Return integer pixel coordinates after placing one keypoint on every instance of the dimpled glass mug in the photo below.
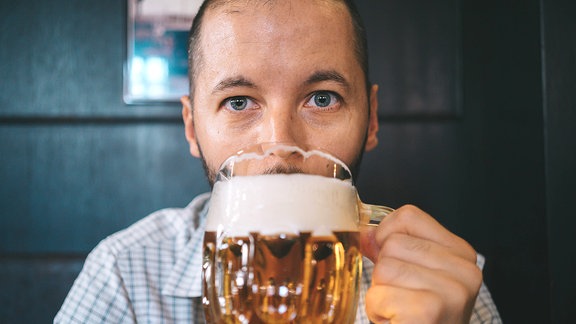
(282, 238)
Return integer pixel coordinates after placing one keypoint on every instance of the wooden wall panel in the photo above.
(560, 108)
(481, 171)
(415, 56)
(67, 186)
(32, 289)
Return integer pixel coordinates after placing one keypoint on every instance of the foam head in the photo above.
(283, 203)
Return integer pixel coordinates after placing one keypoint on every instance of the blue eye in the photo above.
(237, 103)
(323, 99)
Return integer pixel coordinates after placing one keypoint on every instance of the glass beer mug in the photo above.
(282, 238)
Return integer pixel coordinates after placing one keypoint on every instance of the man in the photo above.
(287, 71)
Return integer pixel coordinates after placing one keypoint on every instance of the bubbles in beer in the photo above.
(265, 266)
(282, 279)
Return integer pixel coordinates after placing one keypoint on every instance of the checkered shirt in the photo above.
(151, 273)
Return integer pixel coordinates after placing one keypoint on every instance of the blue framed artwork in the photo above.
(156, 67)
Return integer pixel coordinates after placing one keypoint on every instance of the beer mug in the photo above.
(282, 238)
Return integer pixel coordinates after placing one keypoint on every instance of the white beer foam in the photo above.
(283, 203)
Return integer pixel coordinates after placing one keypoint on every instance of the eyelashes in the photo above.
(239, 103)
(319, 100)
(324, 100)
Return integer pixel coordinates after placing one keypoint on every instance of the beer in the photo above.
(282, 249)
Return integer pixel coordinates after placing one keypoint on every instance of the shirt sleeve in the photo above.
(99, 294)
(485, 310)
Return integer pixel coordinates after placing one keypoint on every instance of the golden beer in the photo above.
(282, 249)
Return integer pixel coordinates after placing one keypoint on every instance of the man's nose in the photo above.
(281, 124)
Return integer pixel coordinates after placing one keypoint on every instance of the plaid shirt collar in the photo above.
(185, 279)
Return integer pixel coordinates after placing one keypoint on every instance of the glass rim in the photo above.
(263, 150)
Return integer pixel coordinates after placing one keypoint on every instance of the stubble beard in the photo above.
(210, 174)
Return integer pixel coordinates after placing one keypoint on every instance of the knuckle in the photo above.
(469, 251)
(373, 305)
(407, 214)
(391, 245)
(405, 211)
(409, 210)
(398, 244)
(458, 297)
(473, 275)
(390, 271)
(371, 300)
(459, 293)
(477, 277)
(431, 309)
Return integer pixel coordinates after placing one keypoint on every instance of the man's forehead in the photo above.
(238, 28)
(288, 32)
(294, 13)
(248, 6)
(215, 4)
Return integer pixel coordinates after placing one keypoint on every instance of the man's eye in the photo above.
(238, 103)
(323, 99)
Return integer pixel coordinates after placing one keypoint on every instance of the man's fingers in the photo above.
(454, 285)
(427, 254)
(414, 222)
(423, 273)
(388, 304)
(368, 244)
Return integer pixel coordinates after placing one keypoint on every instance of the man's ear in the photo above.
(188, 118)
(372, 134)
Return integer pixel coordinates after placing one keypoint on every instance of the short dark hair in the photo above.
(195, 59)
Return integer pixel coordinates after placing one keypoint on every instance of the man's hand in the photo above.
(422, 272)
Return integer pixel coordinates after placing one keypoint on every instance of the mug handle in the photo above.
(372, 215)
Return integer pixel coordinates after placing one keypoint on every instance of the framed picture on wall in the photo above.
(156, 68)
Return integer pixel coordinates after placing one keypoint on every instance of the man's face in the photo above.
(279, 72)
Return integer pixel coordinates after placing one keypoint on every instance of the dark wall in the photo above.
(76, 163)
(478, 168)
(559, 67)
(477, 127)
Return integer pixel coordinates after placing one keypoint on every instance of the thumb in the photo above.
(368, 245)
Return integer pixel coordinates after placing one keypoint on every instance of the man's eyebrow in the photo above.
(233, 82)
(327, 75)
